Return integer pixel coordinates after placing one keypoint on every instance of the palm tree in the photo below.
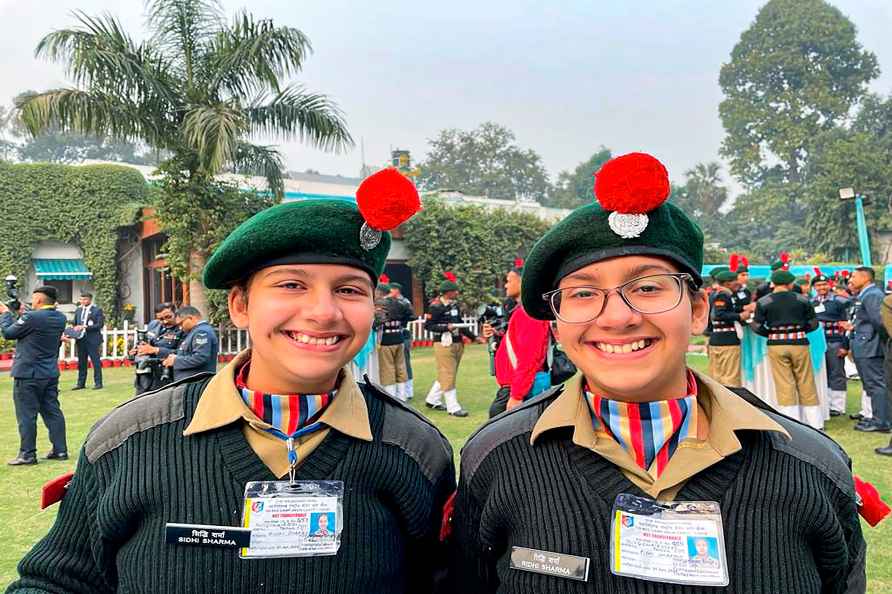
(197, 90)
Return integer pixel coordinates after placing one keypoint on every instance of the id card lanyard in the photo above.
(289, 444)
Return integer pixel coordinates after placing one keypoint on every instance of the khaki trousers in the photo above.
(724, 365)
(794, 377)
(447, 359)
(392, 364)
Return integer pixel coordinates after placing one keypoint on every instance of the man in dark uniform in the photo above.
(198, 350)
(743, 296)
(88, 322)
(391, 353)
(832, 313)
(785, 318)
(724, 344)
(868, 340)
(446, 324)
(163, 338)
(35, 372)
(396, 291)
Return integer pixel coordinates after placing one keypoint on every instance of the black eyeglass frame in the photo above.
(680, 277)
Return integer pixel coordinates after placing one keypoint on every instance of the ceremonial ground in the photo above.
(22, 522)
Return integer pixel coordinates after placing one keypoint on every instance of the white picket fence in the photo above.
(232, 340)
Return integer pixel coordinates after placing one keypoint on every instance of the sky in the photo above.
(566, 77)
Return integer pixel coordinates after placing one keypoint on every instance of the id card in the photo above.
(446, 339)
(303, 519)
(673, 542)
(820, 308)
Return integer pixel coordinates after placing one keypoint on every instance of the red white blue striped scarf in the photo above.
(648, 431)
(289, 414)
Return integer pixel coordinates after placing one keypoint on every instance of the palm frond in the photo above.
(265, 161)
(100, 55)
(183, 27)
(253, 55)
(213, 131)
(90, 113)
(295, 113)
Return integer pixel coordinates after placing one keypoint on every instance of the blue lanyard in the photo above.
(289, 443)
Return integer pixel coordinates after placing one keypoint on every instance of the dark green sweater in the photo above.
(137, 472)
(789, 515)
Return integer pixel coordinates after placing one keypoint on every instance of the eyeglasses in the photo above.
(653, 294)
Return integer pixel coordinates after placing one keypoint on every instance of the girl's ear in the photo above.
(699, 312)
(238, 306)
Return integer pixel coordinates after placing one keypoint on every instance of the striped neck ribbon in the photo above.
(291, 416)
(649, 431)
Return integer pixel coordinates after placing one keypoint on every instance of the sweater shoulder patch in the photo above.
(502, 428)
(139, 414)
(408, 430)
(807, 444)
(816, 449)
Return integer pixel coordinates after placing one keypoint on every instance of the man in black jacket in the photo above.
(88, 322)
(448, 327)
(198, 350)
(36, 374)
(391, 354)
(785, 318)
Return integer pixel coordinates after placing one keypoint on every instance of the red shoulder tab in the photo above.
(446, 523)
(55, 490)
(873, 509)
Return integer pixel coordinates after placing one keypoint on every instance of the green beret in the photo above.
(782, 277)
(448, 285)
(395, 286)
(715, 272)
(585, 237)
(300, 232)
(726, 276)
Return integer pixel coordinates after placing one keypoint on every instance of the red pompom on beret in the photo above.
(383, 279)
(387, 199)
(450, 276)
(635, 183)
(734, 262)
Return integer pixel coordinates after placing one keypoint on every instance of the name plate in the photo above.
(548, 563)
(207, 536)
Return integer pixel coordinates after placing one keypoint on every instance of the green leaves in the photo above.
(295, 113)
(478, 245)
(484, 162)
(797, 70)
(85, 205)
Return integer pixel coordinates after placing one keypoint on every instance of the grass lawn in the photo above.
(22, 522)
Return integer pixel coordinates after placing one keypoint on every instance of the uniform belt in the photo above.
(714, 329)
(786, 335)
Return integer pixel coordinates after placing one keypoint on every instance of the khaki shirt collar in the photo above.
(221, 404)
(721, 413)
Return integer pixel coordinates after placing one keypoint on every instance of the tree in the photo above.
(197, 90)
(490, 241)
(797, 70)
(576, 188)
(483, 162)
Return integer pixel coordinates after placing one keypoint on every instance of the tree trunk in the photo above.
(197, 297)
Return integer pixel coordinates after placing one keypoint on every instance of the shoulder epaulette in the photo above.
(409, 430)
(502, 428)
(807, 444)
(138, 414)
